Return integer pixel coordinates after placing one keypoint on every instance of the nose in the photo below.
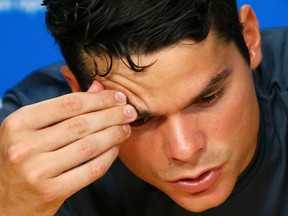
(183, 140)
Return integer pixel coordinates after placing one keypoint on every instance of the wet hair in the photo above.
(87, 30)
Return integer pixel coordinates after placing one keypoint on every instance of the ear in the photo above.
(251, 34)
(71, 79)
(74, 85)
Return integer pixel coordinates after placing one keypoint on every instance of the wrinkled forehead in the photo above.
(174, 72)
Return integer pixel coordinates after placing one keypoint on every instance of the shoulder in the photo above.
(43, 84)
(271, 83)
(275, 50)
(272, 74)
(40, 85)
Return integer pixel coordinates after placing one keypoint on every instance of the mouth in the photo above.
(198, 183)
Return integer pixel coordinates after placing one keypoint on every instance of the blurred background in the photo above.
(25, 44)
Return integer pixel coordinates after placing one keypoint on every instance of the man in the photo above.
(166, 86)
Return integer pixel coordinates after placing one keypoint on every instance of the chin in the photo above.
(201, 204)
(203, 201)
(201, 207)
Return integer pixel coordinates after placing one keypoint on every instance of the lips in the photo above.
(202, 182)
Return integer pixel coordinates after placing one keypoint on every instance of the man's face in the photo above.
(198, 120)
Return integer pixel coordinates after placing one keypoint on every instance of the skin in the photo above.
(181, 140)
(187, 132)
(184, 138)
(46, 145)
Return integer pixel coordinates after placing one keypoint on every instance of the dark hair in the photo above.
(90, 29)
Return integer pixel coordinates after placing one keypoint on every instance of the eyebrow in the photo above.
(216, 81)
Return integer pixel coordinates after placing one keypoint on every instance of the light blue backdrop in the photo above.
(25, 44)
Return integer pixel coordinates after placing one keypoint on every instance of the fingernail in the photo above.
(129, 112)
(120, 97)
(126, 128)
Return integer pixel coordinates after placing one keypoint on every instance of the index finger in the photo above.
(49, 112)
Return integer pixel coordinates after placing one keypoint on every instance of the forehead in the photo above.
(174, 71)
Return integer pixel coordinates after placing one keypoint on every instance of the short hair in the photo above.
(121, 28)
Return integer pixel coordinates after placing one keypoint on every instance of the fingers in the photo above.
(52, 111)
(71, 130)
(85, 149)
(72, 180)
(54, 148)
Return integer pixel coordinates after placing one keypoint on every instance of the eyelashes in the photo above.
(210, 99)
(139, 122)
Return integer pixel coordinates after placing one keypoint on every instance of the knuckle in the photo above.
(87, 148)
(71, 104)
(32, 178)
(11, 124)
(16, 153)
(12, 155)
(35, 179)
(48, 194)
(96, 172)
(78, 126)
(119, 133)
(105, 99)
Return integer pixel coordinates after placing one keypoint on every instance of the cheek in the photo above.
(137, 153)
(236, 126)
(231, 119)
(238, 115)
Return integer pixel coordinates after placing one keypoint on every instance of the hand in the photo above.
(50, 150)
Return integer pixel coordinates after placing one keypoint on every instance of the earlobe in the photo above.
(251, 34)
(71, 79)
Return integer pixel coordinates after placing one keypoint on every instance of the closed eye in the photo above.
(139, 122)
(210, 99)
